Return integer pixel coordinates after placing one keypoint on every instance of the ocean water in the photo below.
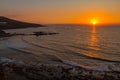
(91, 47)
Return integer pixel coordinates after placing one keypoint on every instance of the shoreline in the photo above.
(11, 69)
(17, 69)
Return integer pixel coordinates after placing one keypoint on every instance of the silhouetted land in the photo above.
(6, 23)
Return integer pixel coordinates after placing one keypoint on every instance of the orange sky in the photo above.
(62, 11)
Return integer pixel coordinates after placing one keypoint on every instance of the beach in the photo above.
(59, 39)
(62, 56)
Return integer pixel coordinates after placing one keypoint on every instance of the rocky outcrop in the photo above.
(44, 33)
(4, 34)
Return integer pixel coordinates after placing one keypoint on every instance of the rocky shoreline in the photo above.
(4, 34)
(11, 69)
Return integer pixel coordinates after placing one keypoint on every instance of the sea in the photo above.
(90, 47)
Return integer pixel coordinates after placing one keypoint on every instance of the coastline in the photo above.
(16, 69)
(11, 69)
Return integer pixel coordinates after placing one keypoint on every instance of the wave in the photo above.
(68, 50)
(54, 51)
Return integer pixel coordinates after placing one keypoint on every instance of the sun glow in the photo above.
(94, 21)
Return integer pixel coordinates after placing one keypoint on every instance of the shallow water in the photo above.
(90, 47)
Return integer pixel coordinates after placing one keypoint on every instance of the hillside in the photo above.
(7, 23)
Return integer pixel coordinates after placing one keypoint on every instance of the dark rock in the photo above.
(43, 33)
(15, 70)
(4, 34)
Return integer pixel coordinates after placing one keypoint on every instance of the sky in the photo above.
(62, 11)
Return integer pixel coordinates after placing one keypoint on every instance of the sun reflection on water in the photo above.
(93, 44)
(93, 39)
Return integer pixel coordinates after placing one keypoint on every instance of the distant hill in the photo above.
(7, 23)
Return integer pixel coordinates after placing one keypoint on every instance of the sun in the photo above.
(94, 21)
